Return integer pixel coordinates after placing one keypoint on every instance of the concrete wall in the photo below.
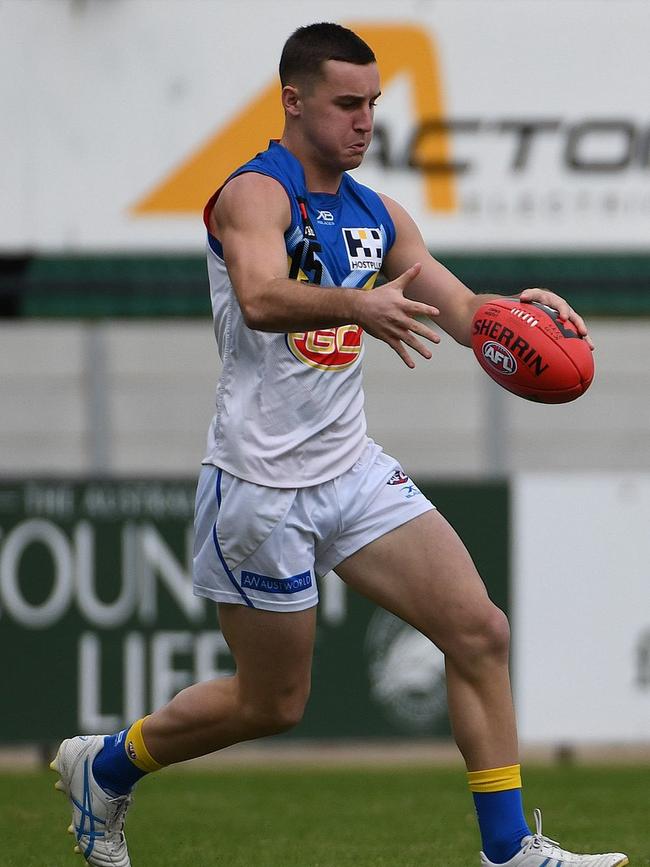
(136, 398)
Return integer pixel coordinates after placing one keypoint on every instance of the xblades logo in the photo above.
(401, 50)
(325, 217)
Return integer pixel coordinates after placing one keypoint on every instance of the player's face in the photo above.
(337, 113)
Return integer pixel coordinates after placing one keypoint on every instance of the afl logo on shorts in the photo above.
(327, 348)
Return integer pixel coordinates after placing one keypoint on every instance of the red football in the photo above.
(528, 350)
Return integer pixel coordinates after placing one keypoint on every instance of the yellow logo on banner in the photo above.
(400, 50)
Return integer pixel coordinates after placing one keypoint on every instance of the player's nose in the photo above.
(363, 120)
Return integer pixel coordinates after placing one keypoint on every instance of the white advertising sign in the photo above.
(503, 124)
(581, 607)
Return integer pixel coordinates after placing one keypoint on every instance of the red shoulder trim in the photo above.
(210, 205)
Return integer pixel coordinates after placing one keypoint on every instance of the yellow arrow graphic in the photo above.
(400, 49)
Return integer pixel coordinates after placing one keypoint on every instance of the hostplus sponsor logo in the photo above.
(364, 248)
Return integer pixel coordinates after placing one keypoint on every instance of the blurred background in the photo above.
(518, 136)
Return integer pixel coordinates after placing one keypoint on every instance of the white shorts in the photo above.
(264, 547)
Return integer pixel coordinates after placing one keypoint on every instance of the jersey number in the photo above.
(304, 260)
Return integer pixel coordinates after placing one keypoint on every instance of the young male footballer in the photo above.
(292, 487)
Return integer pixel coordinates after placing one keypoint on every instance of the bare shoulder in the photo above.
(393, 206)
(251, 199)
(404, 222)
(408, 238)
(389, 203)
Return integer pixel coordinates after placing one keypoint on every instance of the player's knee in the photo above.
(483, 638)
(288, 714)
(497, 633)
(279, 717)
(278, 713)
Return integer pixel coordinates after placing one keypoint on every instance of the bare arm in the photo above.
(250, 218)
(436, 285)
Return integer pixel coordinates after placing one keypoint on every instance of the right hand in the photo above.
(386, 314)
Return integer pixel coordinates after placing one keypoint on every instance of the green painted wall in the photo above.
(98, 623)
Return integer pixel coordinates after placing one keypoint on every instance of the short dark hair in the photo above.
(309, 47)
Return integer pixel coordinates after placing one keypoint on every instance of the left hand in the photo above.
(565, 311)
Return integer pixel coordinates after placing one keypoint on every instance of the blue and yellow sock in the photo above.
(497, 798)
(123, 760)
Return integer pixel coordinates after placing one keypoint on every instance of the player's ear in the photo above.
(291, 101)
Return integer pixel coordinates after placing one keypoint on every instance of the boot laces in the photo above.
(115, 817)
(537, 842)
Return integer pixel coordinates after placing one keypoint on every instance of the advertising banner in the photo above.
(98, 624)
(502, 125)
(581, 607)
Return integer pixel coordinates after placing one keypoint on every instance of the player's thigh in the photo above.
(422, 572)
(272, 650)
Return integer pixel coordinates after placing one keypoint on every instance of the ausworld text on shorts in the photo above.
(264, 547)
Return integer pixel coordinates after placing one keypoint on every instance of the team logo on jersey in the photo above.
(364, 248)
(327, 348)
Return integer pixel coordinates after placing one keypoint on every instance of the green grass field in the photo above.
(326, 818)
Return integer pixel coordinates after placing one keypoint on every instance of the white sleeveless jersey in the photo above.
(289, 407)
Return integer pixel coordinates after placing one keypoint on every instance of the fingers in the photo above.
(424, 331)
(418, 346)
(543, 296)
(414, 308)
(403, 354)
(404, 279)
(565, 311)
(408, 337)
(394, 320)
(417, 308)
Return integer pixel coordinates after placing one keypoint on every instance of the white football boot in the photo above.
(97, 817)
(539, 851)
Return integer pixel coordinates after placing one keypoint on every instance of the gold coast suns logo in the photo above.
(327, 348)
(402, 50)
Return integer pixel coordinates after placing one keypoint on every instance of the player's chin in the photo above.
(353, 160)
